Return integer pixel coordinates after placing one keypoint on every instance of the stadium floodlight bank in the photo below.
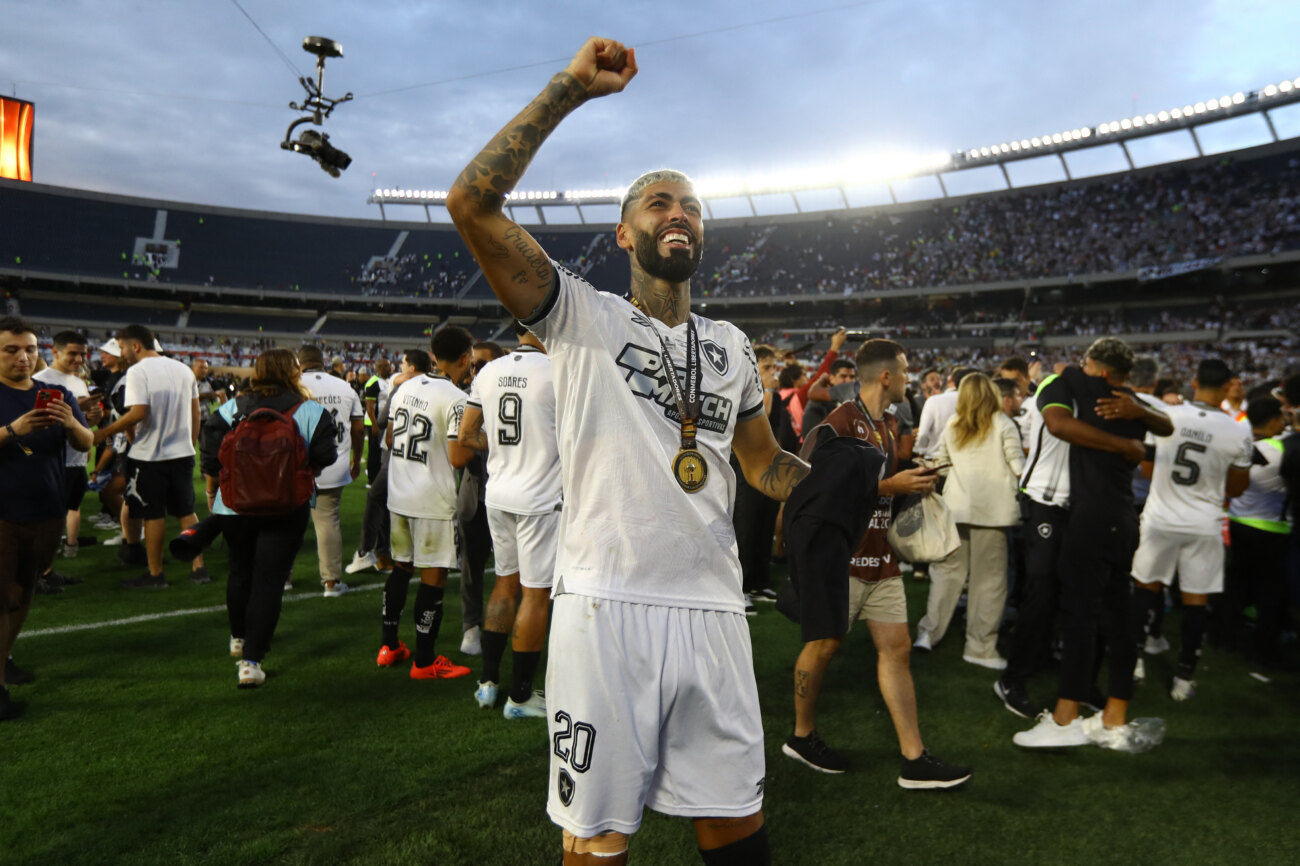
(888, 168)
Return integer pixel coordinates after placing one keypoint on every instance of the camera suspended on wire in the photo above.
(311, 142)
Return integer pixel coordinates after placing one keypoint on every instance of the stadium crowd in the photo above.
(1113, 226)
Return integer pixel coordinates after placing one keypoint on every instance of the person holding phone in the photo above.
(36, 424)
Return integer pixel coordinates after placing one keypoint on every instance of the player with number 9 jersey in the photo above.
(424, 414)
(517, 397)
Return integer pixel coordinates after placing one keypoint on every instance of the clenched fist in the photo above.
(603, 66)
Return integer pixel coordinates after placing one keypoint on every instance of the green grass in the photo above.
(136, 747)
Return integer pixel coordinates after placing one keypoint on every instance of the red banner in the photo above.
(16, 120)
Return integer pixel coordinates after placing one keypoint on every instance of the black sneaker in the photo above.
(16, 676)
(200, 575)
(45, 587)
(1016, 699)
(146, 580)
(768, 595)
(8, 709)
(812, 751)
(132, 554)
(57, 579)
(928, 771)
(750, 610)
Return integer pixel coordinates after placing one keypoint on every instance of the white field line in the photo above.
(149, 617)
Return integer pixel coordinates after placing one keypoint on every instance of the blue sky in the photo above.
(185, 100)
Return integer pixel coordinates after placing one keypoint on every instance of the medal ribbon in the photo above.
(688, 399)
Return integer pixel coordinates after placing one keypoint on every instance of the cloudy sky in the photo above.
(186, 100)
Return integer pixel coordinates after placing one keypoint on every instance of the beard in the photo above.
(676, 267)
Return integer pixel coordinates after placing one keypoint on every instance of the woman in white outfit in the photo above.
(983, 447)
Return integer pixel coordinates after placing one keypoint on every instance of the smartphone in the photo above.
(937, 468)
(46, 396)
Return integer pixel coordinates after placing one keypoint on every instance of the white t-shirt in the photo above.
(343, 404)
(517, 397)
(629, 531)
(77, 386)
(934, 418)
(425, 413)
(1046, 478)
(1191, 469)
(168, 388)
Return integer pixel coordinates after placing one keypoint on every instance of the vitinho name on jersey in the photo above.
(646, 378)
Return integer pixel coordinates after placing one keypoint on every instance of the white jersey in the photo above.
(1191, 469)
(425, 413)
(629, 531)
(1046, 478)
(77, 386)
(342, 404)
(934, 417)
(516, 395)
(168, 388)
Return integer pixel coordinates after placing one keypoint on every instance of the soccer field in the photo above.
(136, 747)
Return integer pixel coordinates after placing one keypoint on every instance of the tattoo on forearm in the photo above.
(801, 679)
(781, 476)
(498, 167)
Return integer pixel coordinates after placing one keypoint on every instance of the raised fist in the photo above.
(603, 66)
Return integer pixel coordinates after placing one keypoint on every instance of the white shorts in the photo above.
(1198, 559)
(425, 541)
(525, 543)
(650, 706)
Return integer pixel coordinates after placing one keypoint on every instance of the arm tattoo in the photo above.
(476, 440)
(781, 476)
(498, 167)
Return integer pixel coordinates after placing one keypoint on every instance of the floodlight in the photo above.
(1150, 118)
(1201, 107)
(1125, 124)
(1175, 113)
(1271, 90)
(1238, 98)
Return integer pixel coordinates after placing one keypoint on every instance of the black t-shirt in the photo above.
(1101, 482)
(31, 485)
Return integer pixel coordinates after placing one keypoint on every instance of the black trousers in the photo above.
(1256, 575)
(1096, 599)
(1039, 589)
(373, 451)
(754, 519)
(475, 547)
(262, 551)
(375, 524)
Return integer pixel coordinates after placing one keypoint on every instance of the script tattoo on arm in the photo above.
(782, 475)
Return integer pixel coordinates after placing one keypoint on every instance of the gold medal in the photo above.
(691, 469)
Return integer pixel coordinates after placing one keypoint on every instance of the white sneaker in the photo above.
(533, 708)
(471, 643)
(1182, 689)
(334, 588)
(923, 641)
(361, 561)
(1047, 734)
(237, 647)
(1140, 671)
(1108, 738)
(114, 541)
(1156, 645)
(486, 695)
(993, 663)
(288, 584)
(251, 674)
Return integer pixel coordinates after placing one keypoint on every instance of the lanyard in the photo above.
(688, 398)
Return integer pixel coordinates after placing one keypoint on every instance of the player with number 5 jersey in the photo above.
(1205, 460)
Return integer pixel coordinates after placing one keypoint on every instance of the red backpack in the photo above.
(264, 469)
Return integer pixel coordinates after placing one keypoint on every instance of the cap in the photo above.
(111, 348)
